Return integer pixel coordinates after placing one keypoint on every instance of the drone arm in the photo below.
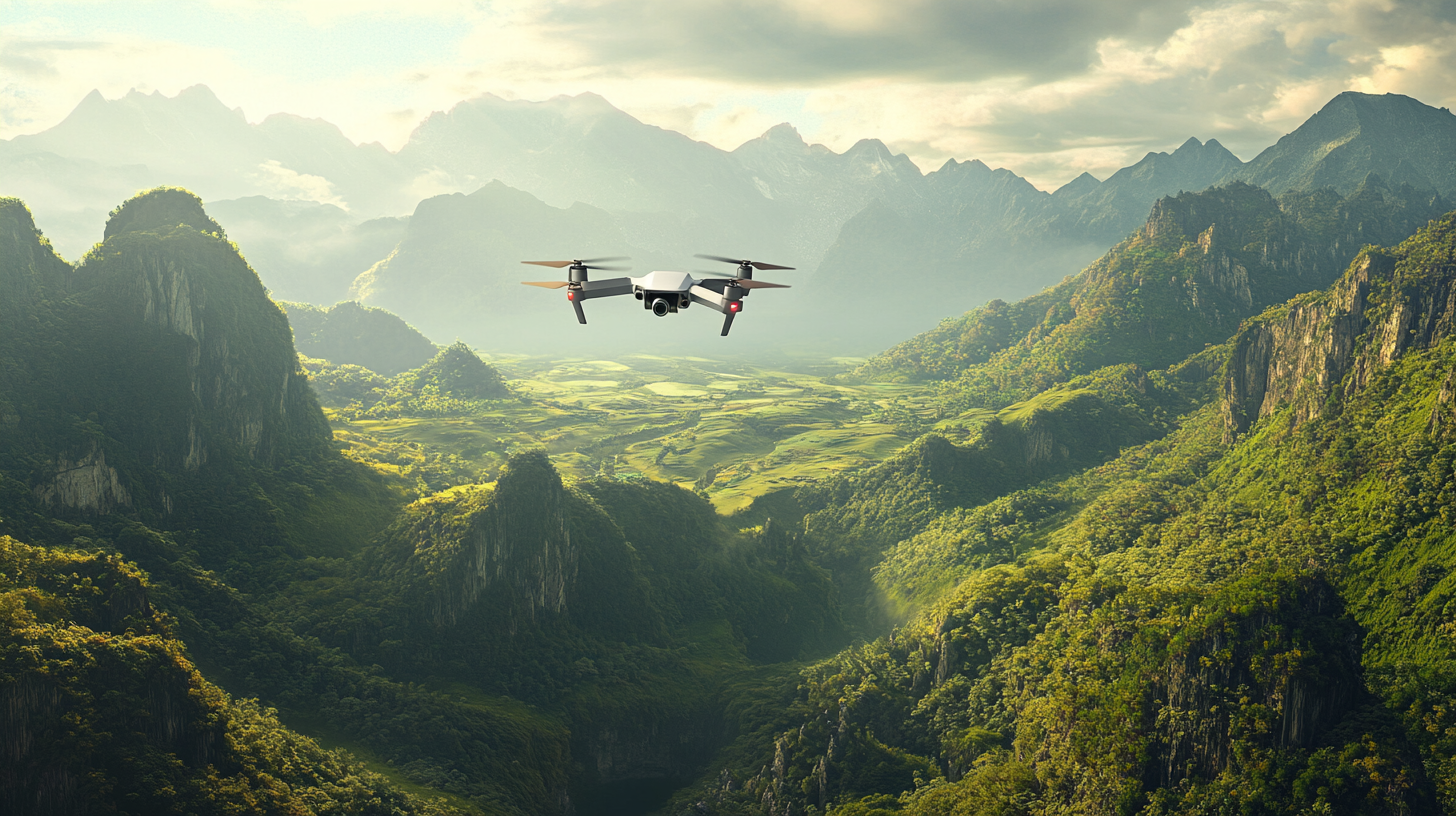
(707, 297)
(580, 315)
(605, 288)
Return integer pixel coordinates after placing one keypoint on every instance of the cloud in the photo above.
(818, 41)
(286, 183)
(1047, 88)
(37, 58)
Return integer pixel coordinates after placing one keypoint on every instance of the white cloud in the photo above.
(1048, 89)
(283, 182)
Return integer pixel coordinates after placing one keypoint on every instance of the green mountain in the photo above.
(347, 333)
(153, 402)
(457, 372)
(1202, 263)
(219, 381)
(1176, 539)
(524, 646)
(1357, 134)
(1064, 380)
(105, 713)
(1245, 614)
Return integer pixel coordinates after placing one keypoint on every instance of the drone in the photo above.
(662, 292)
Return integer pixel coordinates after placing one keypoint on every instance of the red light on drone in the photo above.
(571, 296)
(735, 307)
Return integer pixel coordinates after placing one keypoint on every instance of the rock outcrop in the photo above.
(509, 554)
(185, 312)
(1298, 354)
(89, 485)
(158, 355)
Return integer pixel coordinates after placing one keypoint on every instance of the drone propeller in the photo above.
(548, 284)
(760, 265)
(758, 284)
(583, 263)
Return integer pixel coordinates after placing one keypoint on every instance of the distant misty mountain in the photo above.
(194, 140)
(865, 224)
(1110, 209)
(773, 197)
(975, 234)
(306, 251)
(457, 272)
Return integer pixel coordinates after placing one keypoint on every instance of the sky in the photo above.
(1046, 88)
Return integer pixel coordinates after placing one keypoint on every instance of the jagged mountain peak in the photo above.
(92, 99)
(782, 139)
(952, 167)
(196, 99)
(1357, 133)
(1192, 144)
(1080, 185)
(783, 132)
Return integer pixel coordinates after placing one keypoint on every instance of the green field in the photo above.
(732, 430)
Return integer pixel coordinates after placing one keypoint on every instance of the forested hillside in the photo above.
(171, 498)
(1242, 615)
(1202, 263)
(349, 334)
(1169, 537)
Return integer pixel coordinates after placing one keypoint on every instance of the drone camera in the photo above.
(661, 307)
(684, 301)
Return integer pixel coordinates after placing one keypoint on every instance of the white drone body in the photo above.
(664, 292)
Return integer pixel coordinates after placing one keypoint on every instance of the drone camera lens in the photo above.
(660, 307)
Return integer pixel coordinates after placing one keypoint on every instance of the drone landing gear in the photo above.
(727, 323)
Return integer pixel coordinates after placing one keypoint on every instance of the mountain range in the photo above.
(306, 205)
(1177, 535)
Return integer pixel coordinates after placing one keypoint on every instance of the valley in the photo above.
(733, 431)
(1172, 535)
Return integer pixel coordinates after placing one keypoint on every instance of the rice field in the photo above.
(731, 430)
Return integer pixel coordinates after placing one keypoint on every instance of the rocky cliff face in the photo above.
(91, 684)
(1387, 303)
(512, 544)
(88, 484)
(1298, 660)
(158, 354)
(182, 293)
